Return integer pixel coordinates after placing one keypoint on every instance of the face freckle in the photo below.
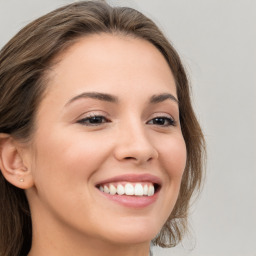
(110, 115)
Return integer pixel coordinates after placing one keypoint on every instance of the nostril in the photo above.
(129, 158)
(135, 154)
(138, 159)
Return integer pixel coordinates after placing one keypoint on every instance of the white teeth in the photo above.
(145, 190)
(106, 189)
(129, 189)
(138, 190)
(120, 189)
(112, 190)
(151, 190)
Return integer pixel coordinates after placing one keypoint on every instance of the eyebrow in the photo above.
(162, 97)
(94, 95)
(113, 99)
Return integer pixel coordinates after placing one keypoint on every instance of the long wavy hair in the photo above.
(24, 62)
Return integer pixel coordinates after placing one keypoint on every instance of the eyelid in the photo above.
(164, 115)
(90, 114)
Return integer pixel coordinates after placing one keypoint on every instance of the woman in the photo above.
(100, 148)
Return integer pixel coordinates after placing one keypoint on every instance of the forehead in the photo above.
(107, 62)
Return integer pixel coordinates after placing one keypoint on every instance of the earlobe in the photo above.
(12, 163)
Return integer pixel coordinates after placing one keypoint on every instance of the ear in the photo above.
(12, 163)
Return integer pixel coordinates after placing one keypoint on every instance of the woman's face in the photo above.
(109, 121)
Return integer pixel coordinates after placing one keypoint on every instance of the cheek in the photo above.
(62, 170)
(68, 157)
(173, 157)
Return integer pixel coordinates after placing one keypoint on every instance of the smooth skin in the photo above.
(82, 140)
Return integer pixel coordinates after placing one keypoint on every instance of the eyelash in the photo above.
(163, 119)
(96, 120)
(88, 120)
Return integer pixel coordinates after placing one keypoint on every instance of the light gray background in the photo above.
(216, 40)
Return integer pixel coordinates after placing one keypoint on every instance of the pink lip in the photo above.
(132, 201)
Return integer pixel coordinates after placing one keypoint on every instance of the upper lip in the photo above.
(133, 178)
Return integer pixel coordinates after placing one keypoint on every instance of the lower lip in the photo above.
(132, 201)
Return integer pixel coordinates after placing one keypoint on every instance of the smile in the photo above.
(128, 188)
(131, 190)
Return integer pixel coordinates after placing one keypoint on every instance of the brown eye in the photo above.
(162, 121)
(93, 120)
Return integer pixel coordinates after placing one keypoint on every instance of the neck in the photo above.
(92, 248)
(51, 240)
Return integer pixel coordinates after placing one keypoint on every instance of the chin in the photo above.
(133, 234)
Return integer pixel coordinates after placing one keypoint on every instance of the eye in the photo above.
(93, 120)
(162, 121)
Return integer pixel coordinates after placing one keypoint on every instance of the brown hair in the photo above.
(24, 62)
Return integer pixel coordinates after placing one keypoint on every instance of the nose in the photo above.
(134, 145)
